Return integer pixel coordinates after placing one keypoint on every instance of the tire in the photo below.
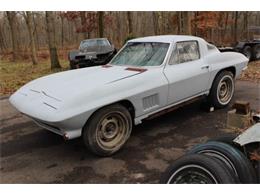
(196, 168)
(73, 65)
(222, 90)
(227, 139)
(107, 130)
(234, 159)
(247, 51)
(256, 52)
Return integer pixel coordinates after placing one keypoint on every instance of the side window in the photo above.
(185, 52)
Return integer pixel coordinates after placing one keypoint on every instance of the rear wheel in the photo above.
(197, 169)
(231, 157)
(222, 90)
(107, 130)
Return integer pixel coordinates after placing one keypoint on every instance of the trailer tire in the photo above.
(247, 51)
(232, 157)
(256, 52)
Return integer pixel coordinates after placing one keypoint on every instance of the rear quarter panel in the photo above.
(220, 61)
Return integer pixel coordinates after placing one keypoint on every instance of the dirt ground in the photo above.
(30, 154)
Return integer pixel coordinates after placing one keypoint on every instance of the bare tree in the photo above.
(11, 16)
(51, 40)
(3, 45)
(28, 16)
(235, 26)
(101, 24)
(130, 23)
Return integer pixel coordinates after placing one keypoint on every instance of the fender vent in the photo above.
(150, 102)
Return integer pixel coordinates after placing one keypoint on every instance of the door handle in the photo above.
(205, 67)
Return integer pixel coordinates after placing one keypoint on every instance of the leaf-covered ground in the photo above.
(14, 75)
(252, 73)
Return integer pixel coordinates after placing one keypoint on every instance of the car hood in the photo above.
(66, 84)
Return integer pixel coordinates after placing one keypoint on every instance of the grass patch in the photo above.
(14, 75)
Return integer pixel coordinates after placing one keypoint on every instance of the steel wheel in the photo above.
(192, 174)
(111, 130)
(197, 169)
(225, 89)
(107, 130)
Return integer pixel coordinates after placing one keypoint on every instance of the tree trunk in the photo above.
(2, 39)
(100, 24)
(155, 23)
(83, 24)
(35, 32)
(29, 21)
(235, 27)
(187, 23)
(130, 24)
(225, 27)
(245, 27)
(11, 16)
(51, 40)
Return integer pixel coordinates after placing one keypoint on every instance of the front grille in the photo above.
(79, 57)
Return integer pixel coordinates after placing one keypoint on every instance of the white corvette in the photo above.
(148, 75)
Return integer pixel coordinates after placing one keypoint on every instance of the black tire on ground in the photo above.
(232, 157)
(107, 130)
(256, 52)
(247, 51)
(73, 65)
(227, 139)
(222, 89)
(196, 168)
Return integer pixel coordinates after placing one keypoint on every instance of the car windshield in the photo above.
(94, 43)
(142, 54)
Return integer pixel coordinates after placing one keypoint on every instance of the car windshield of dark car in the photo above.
(142, 54)
(93, 43)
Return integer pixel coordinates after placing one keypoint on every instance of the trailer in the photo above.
(250, 47)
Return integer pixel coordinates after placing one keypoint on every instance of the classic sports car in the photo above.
(92, 52)
(147, 76)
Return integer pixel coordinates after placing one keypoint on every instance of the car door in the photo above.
(186, 71)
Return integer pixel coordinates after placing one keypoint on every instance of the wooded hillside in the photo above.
(29, 35)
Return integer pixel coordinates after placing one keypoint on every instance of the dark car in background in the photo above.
(92, 52)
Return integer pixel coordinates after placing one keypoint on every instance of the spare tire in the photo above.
(231, 157)
(197, 169)
(227, 139)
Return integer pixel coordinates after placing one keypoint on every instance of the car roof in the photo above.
(166, 38)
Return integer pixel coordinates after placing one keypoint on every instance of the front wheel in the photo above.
(222, 89)
(107, 130)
